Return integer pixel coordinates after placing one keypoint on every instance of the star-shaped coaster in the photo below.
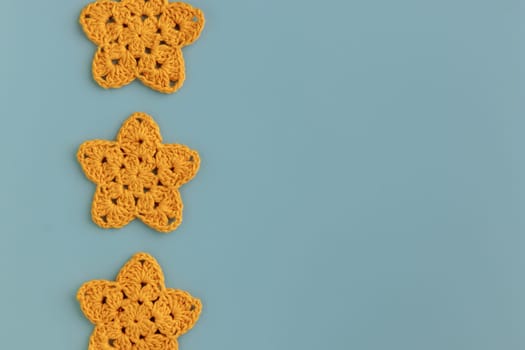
(140, 39)
(137, 311)
(138, 176)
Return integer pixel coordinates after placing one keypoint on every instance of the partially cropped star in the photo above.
(137, 312)
(140, 39)
(138, 176)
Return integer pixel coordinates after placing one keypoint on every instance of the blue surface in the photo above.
(362, 184)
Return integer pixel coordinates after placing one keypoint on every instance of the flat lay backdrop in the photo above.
(362, 180)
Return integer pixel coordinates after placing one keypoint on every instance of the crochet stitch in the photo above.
(137, 311)
(140, 39)
(138, 176)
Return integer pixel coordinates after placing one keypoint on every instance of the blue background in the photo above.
(362, 184)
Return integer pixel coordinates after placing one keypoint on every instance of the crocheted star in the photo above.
(138, 176)
(137, 311)
(140, 39)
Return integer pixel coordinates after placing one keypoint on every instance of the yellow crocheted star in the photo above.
(140, 39)
(137, 312)
(138, 176)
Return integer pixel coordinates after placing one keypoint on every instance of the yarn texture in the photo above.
(138, 176)
(137, 311)
(140, 39)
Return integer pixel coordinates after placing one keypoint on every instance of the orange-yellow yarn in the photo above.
(137, 311)
(140, 39)
(138, 176)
